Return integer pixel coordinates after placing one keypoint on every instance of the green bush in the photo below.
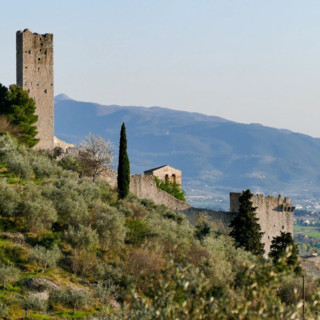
(9, 199)
(172, 188)
(138, 231)
(82, 237)
(109, 224)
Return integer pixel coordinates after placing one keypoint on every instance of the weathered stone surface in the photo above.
(39, 284)
(35, 75)
(15, 237)
(144, 187)
(62, 144)
(275, 215)
(44, 295)
(166, 173)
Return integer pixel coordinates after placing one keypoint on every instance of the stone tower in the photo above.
(35, 75)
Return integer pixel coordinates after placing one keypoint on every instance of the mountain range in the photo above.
(216, 156)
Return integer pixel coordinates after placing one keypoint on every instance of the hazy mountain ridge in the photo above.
(216, 155)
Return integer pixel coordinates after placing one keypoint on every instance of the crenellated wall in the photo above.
(275, 215)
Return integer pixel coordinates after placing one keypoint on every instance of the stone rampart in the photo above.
(145, 187)
(275, 215)
(224, 217)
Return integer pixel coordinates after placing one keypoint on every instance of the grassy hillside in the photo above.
(70, 249)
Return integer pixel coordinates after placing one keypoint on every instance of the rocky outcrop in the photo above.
(38, 284)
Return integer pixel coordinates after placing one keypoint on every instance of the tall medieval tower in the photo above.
(35, 75)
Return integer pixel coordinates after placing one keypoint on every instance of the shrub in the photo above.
(104, 292)
(9, 199)
(74, 298)
(39, 215)
(143, 262)
(8, 274)
(4, 310)
(19, 165)
(8, 145)
(172, 188)
(42, 166)
(137, 231)
(71, 207)
(109, 224)
(44, 257)
(81, 236)
(32, 302)
(83, 262)
(70, 162)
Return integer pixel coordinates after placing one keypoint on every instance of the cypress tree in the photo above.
(245, 227)
(123, 166)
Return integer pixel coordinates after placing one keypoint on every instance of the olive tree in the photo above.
(45, 257)
(110, 227)
(74, 298)
(8, 274)
(32, 302)
(9, 199)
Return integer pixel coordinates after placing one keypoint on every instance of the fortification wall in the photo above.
(35, 75)
(223, 217)
(145, 187)
(275, 215)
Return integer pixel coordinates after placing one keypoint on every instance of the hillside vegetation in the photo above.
(71, 249)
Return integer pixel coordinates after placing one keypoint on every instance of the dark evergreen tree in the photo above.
(3, 98)
(285, 252)
(123, 166)
(245, 227)
(202, 230)
(19, 109)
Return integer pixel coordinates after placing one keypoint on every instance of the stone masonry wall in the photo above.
(275, 215)
(35, 75)
(167, 172)
(223, 217)
(145, 187)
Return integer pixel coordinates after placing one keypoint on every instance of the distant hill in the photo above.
(215, 155)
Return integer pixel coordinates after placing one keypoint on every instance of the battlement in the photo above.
(35, 75)
(275, 214)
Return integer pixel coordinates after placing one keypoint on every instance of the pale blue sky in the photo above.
(244, 60)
